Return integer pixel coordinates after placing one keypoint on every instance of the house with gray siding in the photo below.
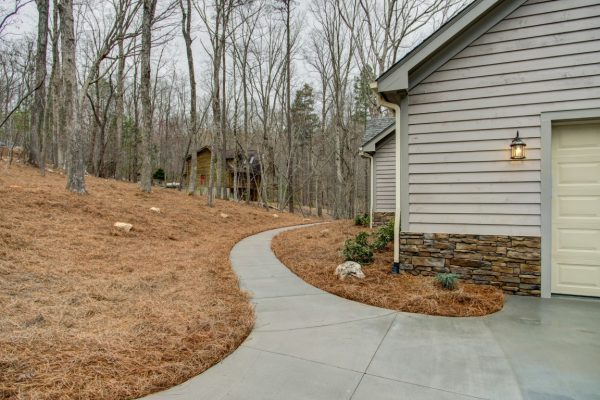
(500, 72)
(378, 146)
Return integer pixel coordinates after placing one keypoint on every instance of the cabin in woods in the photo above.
(238, 167)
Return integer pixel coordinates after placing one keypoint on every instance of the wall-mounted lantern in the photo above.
(517, 148)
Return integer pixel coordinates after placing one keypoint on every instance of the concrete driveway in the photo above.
(308, 344)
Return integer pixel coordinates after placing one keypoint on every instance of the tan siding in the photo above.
(385, 164)
(507, 82)
(542, 25)
(481, 135)
(560, 68)
(500, 229)
(526, 54)
(544, 57)
(484, 208)
(534, 99)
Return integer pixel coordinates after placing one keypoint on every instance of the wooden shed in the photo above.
(237, 166)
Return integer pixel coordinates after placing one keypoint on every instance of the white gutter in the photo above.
(371, 185)
(396, 109)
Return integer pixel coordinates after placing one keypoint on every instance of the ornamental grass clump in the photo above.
(358, 249)
(447, 281)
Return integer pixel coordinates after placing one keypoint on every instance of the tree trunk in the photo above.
(222, 176)
(216, 103)
(36, 151)
(186, 21)
(76, 160)
(211, 181)
(145, 81)
(120, 105)
(55, 92)
(288, 109)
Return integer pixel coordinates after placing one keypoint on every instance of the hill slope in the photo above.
(88, 311)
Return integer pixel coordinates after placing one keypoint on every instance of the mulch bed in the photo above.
(90, 312)
(313, 254)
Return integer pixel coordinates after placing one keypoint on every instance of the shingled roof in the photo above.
(375, 126)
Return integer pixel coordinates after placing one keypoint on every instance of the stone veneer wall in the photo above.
(511, 263)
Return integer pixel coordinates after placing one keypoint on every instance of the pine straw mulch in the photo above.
(313, 253)
(88, 312)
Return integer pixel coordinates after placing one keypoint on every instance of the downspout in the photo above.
(371, 185)
(381, 101)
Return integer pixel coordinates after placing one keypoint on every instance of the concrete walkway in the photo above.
(308, 344)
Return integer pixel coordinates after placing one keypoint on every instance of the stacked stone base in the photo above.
(511, 263)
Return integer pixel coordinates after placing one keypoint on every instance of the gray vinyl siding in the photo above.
(543, 57)
(385, 178)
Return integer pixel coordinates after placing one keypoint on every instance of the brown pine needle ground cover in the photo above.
(313, 253)
(89, 312)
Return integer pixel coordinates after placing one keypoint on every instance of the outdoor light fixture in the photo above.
(517, 148)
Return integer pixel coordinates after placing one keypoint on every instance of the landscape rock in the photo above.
(275, 216)
(223, 215)
(349, 268)
(124, 226)
(155, 209)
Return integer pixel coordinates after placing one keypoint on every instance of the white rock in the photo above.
(275, 216)
(155, 209)
(349, 268)
(124, 226)
(223, 215)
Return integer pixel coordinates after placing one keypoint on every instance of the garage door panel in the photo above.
(578, 239)
(579, 136)
(579, 206)
(582, 279)
(578, 173)
(576, 209)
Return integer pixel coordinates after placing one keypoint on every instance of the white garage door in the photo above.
(576, 209)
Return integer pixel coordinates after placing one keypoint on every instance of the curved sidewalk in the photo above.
(308, 344)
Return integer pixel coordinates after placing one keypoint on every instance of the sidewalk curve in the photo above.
(309, 344)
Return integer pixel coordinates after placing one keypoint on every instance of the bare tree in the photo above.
(75, 164)
(186, 28)
(37, 142)
(149, 8)
(9, 13)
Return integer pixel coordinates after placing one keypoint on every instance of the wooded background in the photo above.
(94, 90)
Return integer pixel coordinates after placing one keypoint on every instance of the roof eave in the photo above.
(370, 146)
(397, 77)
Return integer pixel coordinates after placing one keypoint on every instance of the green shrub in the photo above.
(358, 249)
(383, 236)
(159, 174)
(361, 220)
(447, 280)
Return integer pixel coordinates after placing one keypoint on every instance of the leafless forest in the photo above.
(93, 88)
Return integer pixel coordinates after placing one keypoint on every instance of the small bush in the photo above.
(358, 249)
(361, 220)
(159, 174)
(447, 281)
(383, 236)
